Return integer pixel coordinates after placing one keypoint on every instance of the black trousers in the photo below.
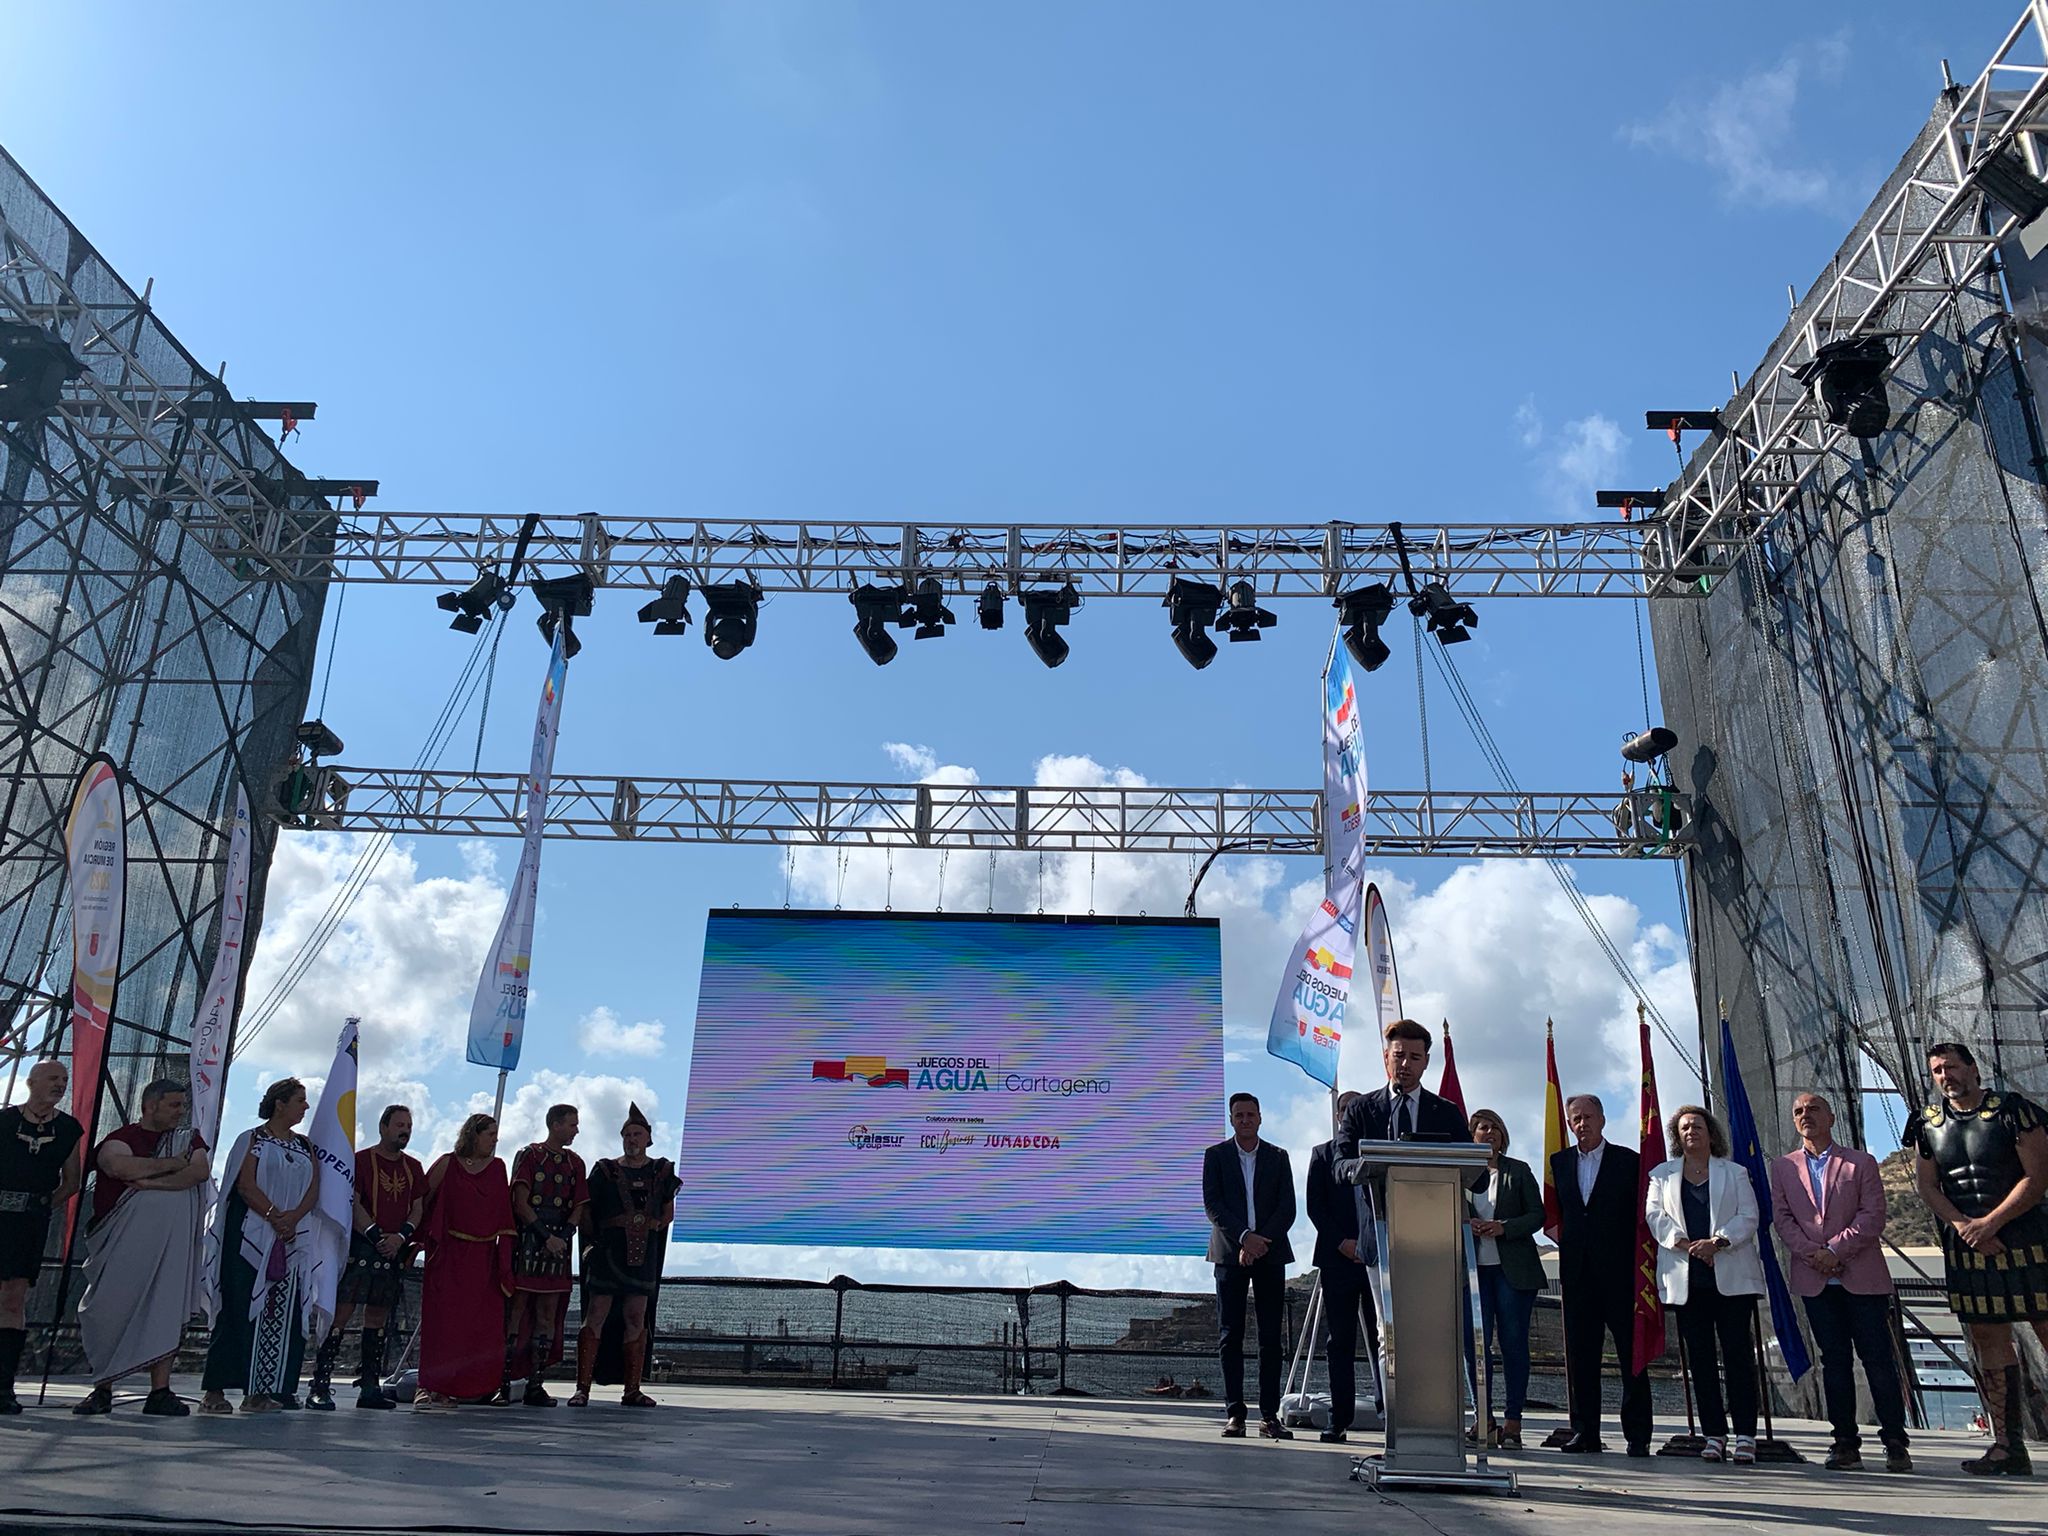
(1347, 1293)
(1715, 1325)
(1267, 1282)
(1594, 1314)
(1846, 1325)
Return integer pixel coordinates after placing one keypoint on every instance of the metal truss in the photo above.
(1931, 237)
(994, 818)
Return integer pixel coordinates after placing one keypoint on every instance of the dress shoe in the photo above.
(1639, 1448)
(1233, 1429)
(1273, 1429)
(1582, 1445)
(1332, 1437)
(375, 1397)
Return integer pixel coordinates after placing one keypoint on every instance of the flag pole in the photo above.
(498, 1105)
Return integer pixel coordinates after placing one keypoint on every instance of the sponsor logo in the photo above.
(875, 1071)
(941, 1141)
(1320, 958)
(1347, 706)
(1022, 1143)
(862, 1139)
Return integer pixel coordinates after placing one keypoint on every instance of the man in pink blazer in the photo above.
(1827, 1204)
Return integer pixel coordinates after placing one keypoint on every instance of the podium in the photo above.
(1424, 1265)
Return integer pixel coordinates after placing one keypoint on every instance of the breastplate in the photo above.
(1976, 1156)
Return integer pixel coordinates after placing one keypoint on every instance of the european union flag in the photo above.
(1743, 1141)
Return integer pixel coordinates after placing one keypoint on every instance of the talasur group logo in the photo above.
(874, 1071)
(861, 1139)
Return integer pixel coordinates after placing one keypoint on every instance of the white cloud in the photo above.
(1581, 457)
(600, 1101)
(1743, 131)
(917, 761)
(600, 1033)
(1528, 423)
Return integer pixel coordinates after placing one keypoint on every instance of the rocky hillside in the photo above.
(1908, 1221)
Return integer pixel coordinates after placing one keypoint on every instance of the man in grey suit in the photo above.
(1248, 1193)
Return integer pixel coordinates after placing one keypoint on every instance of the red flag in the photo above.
(1447, 1086)
(1553, 1134)
(1649, 1311)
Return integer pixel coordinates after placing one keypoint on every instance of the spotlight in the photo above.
(1245, 618)
(2005, 176)
(875, 609)
(1449, 620)
(1650, 817)
(1361, 613)
(989, 607)
(318, 739)
(34, 368)
(1192, 607)
(562, 600)
(1850, 374)
(928, 608)
(669, 613)
(1045, 610)
(474, 604)
(731, 610)
(1648, 746)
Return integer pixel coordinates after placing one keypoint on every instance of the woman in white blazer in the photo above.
(1702, 1214)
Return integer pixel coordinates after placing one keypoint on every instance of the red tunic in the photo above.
(143, 1142)
(387, 1189)
(468, 1235)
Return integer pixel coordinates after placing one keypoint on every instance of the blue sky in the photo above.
(1107, 264)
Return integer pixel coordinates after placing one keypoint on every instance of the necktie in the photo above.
(1405, 1125)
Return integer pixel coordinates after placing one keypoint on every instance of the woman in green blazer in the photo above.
(1506, 1215)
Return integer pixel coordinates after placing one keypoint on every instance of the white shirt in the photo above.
(1483, 1202)
(1817, 1181)
(1589, 1171)
(1249, 1162)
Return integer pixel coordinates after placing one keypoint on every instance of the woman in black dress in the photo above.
(632, 1202)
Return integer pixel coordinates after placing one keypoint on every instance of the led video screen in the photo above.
(1024, 1083)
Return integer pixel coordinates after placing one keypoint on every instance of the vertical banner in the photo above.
(1379, 960)
(1649, 1309)
(216, 1019)
(1307, 1023)
(497, 1016)
(1743, 1143)
(333, 1135)
(96, 849)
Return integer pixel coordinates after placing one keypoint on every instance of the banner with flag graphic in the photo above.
(497, 1016)
(217, 1003)
(1742, 1139)
(333, 1135)
(1553, 1134)
(96, 852)
(1448, 1086)
(1307, 1023)
(1648, 1334)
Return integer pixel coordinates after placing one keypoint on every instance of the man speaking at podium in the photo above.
(1404, 1110)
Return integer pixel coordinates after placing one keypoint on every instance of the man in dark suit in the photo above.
(1347, 1288)
(1248, 1193)
(1599, 1204)
(1404, 1110)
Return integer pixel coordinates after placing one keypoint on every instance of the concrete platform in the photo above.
(744, 1462)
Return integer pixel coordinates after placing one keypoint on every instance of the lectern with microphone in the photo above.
(1416, 1190)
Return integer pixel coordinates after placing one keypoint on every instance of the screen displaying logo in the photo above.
(875, 1071)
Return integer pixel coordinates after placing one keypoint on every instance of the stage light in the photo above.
(1191, 606)
(1045, 610)
(317, 739)
(1649, 817)
(731, 616)
(1244, 618)
(1361, 613)
(989, 607)
(875, 609)
(563, 599)
(928, 607)
(329, 800)
(1449, 620)
(474, 604)
(2005, 176)
(669, 613)
(1648, 746)
(1850, 374)
(34, 368)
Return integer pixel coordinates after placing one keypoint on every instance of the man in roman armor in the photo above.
(549, 1194)
(39, 1172)
(632, 1202)
(391, 1189)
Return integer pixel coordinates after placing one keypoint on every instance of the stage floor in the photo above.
(740, 1462)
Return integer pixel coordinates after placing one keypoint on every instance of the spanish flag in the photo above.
(1553, 1133)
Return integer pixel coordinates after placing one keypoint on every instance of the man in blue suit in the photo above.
(1248, 1193)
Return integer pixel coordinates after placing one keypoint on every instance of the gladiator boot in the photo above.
(586, 1365)
(372, 1394)
(11, 1342)
(321, 1394)
(511, 1364)
(635, 1350)
(536, 1373)
(2006, 1409)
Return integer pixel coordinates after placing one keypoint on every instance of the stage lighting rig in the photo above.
(1850, 376)
(988, 608)
(318, 740)
(731, 616)
(563, 599)
(1244, 618)
(1192, 606)
(34, 368)
(1648, 746)
(1449, 620)
(1045, 610)
(473, 605)
(2005, 177)
(1650, 818)
(1361, 613)
(928, 608)
(670, 612)
(875, 609)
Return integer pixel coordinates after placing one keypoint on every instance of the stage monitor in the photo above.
(1043, 1084)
